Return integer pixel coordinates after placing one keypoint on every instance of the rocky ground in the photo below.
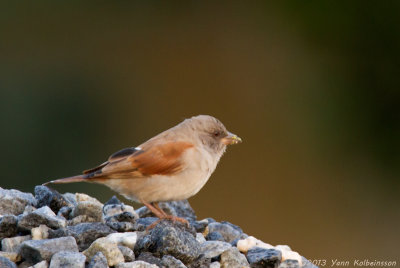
(75, 230)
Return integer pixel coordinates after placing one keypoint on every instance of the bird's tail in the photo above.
(77, 178)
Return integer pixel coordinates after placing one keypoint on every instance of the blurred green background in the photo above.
(311, 87)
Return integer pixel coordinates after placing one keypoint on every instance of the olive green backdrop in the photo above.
(311, 87)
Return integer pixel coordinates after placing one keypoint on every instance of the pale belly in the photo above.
(159, 187)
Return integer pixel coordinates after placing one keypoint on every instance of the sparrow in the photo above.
(174, 165)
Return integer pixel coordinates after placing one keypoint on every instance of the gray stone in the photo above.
(71, 198)
(142, 223)
(50, 197)
(38, 250)
(68, 259)
(114, 207)
(6, 263)
(89, 209)
(200, 226)
(128, 254)
(261, 257)
(215, 236)
(168, 238)
(228, 231)
(98, 261)
(136, 264)
(177, 208)
(122, 222)
(84, 233)
(289, 264)
(8, 226)
(212, 249)
(65, 212)
(232, 258)
(200, 262)
(149, 258)
(43, 215)
(170, 262)
(13, 202)
(13, 244)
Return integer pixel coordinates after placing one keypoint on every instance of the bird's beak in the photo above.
(231, 139)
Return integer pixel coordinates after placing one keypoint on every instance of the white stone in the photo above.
(291, 255)
(283, 247)
(215, 265)
(110, 250)
(42, 264)
(245, 244)
(127, 239)
(41, 232)
(84, 197)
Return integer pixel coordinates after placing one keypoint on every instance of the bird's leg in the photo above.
(159, 213)
(155, 208)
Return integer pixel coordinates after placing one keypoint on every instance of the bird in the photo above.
(174, 165)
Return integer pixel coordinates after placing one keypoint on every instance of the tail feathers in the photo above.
(78, 178)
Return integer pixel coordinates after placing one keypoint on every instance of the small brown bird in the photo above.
(174, 165)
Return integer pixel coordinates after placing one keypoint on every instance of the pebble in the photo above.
(261, 257)
(171, 262)
(50, 197)
(200, 238)
(212, 249)
(110, 251)
(80, 197)
(127, 239)
(41, 232)
(65, 212)
(13, 244)
(128, 254)
(13, 202)
(12, 256)
(122, 222)
(71, 198)
(149, 258)
(232, 258)
(84, 233)
(228, 231)
(43, 215)
(215, 236)
(89, 209)
(250, 242)
(38, 250)
(98, 261)
(6, 263)
(42, 264)
(142, 223)
(82, 219)
(215, 264)
(68, 259)
(136, 264)
(200, 226)
(170, 239)
(289, 264)
(8, 226)
(177, 208)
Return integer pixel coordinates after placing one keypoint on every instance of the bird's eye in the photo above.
(216, 133)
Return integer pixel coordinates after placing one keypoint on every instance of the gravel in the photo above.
(76, 230)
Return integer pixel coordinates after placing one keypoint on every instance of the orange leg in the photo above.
(155, 208)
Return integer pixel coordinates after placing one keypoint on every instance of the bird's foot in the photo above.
(170, 218)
